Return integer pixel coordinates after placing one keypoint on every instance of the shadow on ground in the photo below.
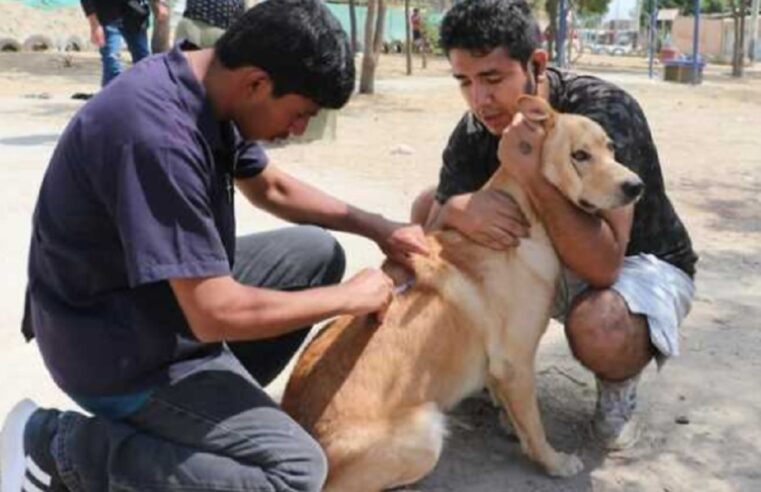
(30, 140)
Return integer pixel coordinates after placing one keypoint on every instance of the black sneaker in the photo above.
(28, 465)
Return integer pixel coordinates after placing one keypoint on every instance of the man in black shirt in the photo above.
(628, 274)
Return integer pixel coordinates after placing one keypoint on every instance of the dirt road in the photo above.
(386, 150)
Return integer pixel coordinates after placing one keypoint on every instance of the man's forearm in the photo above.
(586, 243)
(221, 309)
(305, 204)
(259, 313)
(298, 202)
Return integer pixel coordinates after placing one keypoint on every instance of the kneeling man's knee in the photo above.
(421, 206)
(604, 336)
(325, 253)
(594, 313)
(314, 466)
(305, 469)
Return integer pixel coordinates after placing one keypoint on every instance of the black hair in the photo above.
(300, 45)
(481, 26)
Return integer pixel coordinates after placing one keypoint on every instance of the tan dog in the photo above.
(374, 396)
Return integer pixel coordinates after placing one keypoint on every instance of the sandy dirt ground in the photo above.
(386, 149)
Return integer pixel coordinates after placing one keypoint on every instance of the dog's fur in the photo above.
(374, 396)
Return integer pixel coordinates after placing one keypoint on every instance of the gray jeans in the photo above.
(215, 430)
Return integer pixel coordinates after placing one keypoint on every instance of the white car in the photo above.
(619, 49)
(608, 49)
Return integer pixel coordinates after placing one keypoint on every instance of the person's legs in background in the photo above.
(109, 53)
(137, 43)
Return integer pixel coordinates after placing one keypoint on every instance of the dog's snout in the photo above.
(633, 189)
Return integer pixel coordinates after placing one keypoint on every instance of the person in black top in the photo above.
(628, 277)
(112, 20)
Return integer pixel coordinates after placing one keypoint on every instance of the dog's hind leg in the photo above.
(379, 455)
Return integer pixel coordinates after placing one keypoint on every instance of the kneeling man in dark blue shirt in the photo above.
(148, 311)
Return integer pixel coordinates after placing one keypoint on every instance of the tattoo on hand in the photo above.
(525, 147)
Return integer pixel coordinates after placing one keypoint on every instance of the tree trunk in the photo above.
(552, 14)
(367, 78)
(741, 54)
(569, 58)
(407, 36)
(738, 23)
(353, 25)
(380, 27)
(374, 25)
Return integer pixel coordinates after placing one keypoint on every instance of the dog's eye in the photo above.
(611, 147)
(581, 155)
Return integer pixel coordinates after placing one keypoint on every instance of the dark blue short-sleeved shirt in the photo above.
(138, 191)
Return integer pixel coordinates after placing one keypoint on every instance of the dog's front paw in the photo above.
(565, 465)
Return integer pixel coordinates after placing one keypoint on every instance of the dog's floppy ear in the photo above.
(537, 110)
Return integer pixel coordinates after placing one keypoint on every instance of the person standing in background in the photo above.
(112, 20)
(204, 21)
(417, 31)
(162, 28)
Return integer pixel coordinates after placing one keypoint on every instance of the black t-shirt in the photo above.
(134, 15)
(470, 159)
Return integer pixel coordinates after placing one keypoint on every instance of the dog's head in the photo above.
(577, 158)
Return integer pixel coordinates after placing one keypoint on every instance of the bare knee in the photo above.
(421, 206)
(605, 337)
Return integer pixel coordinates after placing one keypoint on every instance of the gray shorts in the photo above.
(651, 287)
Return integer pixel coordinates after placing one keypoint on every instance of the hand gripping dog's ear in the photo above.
(537, 110)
